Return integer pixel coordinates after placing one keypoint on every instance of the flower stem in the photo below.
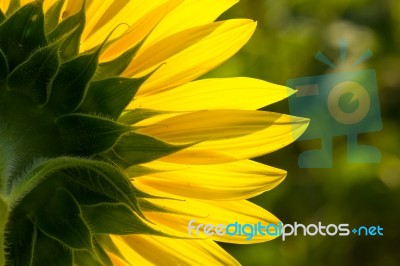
(4, 210)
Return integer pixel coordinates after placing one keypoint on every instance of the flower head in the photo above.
(108, 147)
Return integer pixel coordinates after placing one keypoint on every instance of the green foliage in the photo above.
(22, 33)
(137, 148)
(63, 145)
(109, 97)
(34, 76)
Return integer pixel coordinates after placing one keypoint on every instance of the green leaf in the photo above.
(66, 224)
(23, 33)
(97, 176)
(134, 116)
(98, 258)
(139, 170)
(3, 66)
(69, 87)
(101, 255)
(109, 97)
(137, 148)
(88, 258)
(34, 75)
(106, 180)
(88, 135)
(4, 214)
(147, 206)
(2, 16)
(75, 24)
(52, 16)
(116, 66)
(50, 252)
(106, 242)
(14, 5)
(84, 195)
(116, 219)
(21, 237)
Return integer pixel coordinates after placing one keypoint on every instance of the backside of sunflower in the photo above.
(97, 141)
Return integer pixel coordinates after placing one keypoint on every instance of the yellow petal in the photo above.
(212, 212)
(23, 2)
(237, 180)
(133, 10)
(129, 253)
(139, 30)
(236, 134)
(47, 4)
(189, 14)
(166, 251)
(116, 261)
(189, 54)
(211, 125)
(73, 6)
(98, 10)
(170, 17)
(223, 93)
(4, 5)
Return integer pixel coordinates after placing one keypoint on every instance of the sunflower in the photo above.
(109, 145)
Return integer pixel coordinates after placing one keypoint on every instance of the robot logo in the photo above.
(338, 104)
(358, 93)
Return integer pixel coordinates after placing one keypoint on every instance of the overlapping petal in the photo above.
(189, 54)
(230, 181)
(211, 212)
(188, 14)
(223, 93)
(152, 250)
(177, 15)
(238, 134)
(100, 26)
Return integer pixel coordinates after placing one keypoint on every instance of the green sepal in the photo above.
(74, 23)
(13, 6)
(94, 175)
(84, 195)
(86, 258)
(137, 148)
(147, 206)
(50, 252)
(139, 170)
(134, 116)
(2, 16)
(101, 255)
(33, 76)
(22, 238)
(52, 16)
(66, 224)
(116, 219)
(71, 82)
(98, 258)
(109, 97)
(107, 181)
(116, 66)
(106, 242)
(88, 135)
(4, 215)
(23, 33)
(3, 66)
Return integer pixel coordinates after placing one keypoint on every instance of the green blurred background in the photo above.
(289, 34)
